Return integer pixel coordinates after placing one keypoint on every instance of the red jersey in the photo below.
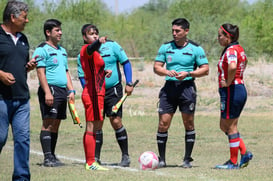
(233, 53)
(93, 67)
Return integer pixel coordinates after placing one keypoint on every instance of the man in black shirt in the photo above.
(14, 92)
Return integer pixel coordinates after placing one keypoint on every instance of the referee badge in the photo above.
(169, 59)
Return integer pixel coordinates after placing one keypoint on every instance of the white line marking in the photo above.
(83, 161)
(78, 160)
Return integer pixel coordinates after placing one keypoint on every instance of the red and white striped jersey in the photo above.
(233, 53)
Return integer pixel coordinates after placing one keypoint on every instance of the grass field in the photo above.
(140, 119)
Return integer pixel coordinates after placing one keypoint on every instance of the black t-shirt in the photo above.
(13, 59)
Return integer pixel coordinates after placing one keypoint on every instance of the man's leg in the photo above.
(21, 135)
(4, 124)
(188, 120)
(162, 136)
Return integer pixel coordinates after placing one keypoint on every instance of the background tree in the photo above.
(143, 30)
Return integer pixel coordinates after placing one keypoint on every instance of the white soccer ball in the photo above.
(148, 160)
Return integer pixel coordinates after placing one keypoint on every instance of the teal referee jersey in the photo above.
(186, 58)
(113, 55)
(55, 63)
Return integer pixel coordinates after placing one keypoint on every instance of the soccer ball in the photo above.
(148, 160)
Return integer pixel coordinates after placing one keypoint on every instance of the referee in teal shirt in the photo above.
(114, 56)
(185, 61)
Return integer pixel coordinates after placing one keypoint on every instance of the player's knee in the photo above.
(163, 127)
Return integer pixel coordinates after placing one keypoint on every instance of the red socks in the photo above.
(89, 143)
(242, 147)
(234, 142)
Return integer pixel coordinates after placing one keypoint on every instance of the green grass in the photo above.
(140, 120)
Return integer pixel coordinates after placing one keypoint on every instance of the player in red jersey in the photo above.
(93, 92)
(233, 93)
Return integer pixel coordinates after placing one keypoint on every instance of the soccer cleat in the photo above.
(161, 163)
(50, 161)
(228, 166)
(58, 162)
(186, 163)
(95, 166)
(125, 161)
(245, 159)
(98, 160)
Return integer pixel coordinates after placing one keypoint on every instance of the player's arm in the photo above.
(159, 69)
(232, 67)
(44, 84)
(232, 60)
(127, 68)
(95, 45)
(71, 91)
(201, 71)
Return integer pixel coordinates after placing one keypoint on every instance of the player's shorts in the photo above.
(112, 96)
(175, 94)
(58, 110)
(233, 99)
(93, 107)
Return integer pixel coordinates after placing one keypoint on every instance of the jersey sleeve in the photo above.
(231, 55)
(201, 57)
(42, 56)
(119, 52)
(65, 60)
(79, 66)
(161, 54)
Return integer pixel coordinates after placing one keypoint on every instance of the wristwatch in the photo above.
(130, 84)
(189, 74)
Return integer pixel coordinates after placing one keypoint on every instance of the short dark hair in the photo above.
(232, 30)
(14, 7)
(87, 27)
(50, 24)
(181, 22)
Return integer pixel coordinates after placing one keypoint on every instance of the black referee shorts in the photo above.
(175, 94)
(58, 110)
(112, 96)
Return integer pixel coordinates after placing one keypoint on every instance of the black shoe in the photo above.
(125, 161)
(161, 163)
(58, 162)
(186, 163)
(51, 161)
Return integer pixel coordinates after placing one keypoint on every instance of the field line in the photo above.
(39, 153)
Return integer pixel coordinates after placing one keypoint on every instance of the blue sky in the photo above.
(123, 5)
(129, 5)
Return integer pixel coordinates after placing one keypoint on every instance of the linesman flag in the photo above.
(74, 113)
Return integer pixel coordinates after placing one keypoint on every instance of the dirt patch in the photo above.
(258, 80)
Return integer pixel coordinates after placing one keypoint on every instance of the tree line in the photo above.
(142, 31)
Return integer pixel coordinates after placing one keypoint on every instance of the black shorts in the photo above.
(112, 96)
(177, 93)
(58, 110)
